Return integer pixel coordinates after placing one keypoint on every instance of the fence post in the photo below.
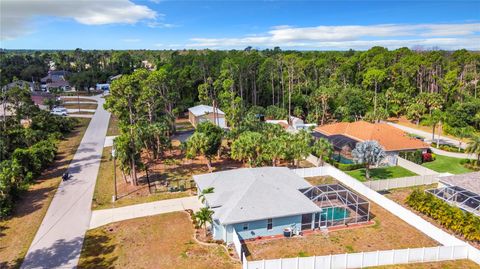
(363, 258)
(378, 254)
(330, 261)
(408, 255)
(314, 262)
(346, 260)
(438, 253)
(263, 264)
(393, 257)
(281, 263)
(423, 254)
(297, 262)
(453, 253)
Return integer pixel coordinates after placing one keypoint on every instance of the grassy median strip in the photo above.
(81, 106)
(18, 231)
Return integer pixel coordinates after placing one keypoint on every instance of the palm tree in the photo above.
(203, 192)
(474, 147)
(323, 149)
(434, 119)
(203, 217)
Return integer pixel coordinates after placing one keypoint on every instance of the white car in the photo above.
(59, 111)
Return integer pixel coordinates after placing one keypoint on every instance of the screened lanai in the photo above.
(459, 197)
(339, 205)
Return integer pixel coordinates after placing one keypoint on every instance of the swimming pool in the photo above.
(342, 159)
(335, 213)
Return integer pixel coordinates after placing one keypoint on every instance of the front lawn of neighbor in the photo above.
(161, 241)
(381, 173)
(445, 164)
(128, 195)
(18, 231)
(388, 232)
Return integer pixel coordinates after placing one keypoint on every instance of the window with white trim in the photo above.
(269, 224)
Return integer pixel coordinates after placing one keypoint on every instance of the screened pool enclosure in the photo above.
(339, 205)
(459, 197)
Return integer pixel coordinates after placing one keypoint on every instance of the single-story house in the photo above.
(269, 201)
(461, 190)
(202, 113)
(295, 125)
(22, 84)
(345, 135)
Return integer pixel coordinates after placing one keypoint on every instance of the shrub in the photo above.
(413, 156)
(427, 157)
(346, 166)
(450, 217)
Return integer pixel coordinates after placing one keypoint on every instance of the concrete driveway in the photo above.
(59, 239)
(105, 216)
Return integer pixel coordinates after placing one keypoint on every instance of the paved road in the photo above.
(453, 154)
(59, 239)
(428, 136)
(105, 216)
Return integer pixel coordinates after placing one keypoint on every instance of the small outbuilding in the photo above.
(203, 113)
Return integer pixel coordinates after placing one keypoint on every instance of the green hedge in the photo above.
(413, 156)
(450, 217)
(345, 166)
(449, 148)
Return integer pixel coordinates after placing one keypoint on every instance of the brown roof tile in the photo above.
(391, 138)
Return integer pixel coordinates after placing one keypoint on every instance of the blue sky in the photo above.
(162, 24)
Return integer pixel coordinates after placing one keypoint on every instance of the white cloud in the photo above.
(445, 36)
(16, 15)
(131, 40)
(157, 24)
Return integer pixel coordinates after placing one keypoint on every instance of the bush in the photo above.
(450, 217)
(427, 157)
(413, 156)
(347, 167)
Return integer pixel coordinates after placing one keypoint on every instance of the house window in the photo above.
(269, 224)
(245, 226)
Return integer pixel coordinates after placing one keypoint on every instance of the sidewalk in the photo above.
(105, 216)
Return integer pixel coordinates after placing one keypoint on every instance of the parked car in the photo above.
(60, 111)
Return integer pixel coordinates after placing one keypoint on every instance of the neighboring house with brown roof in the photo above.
(345, 135)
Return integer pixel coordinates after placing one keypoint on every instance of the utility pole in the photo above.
(114, 198)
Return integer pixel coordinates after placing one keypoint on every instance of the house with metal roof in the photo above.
(345, 135)
(203, 113)
(268, 201)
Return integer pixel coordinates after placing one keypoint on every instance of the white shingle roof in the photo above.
(203, 109)
(468, 181)
(248, 194)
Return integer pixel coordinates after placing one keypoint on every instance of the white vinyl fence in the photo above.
(365, 259)
(238, 245)
(402, 182)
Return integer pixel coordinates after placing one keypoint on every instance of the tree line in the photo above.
(28, 144)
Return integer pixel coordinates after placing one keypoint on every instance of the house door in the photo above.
(323, 219)
(306, 222)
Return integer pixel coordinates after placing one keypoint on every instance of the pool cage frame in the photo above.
(459, 197)
(329, 197)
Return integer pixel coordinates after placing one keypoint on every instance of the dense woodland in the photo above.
(317, 86)
(428, 87)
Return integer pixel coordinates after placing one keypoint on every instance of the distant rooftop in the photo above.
(203, 109)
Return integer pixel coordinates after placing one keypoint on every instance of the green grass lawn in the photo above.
(444, 164)
(381, 173)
